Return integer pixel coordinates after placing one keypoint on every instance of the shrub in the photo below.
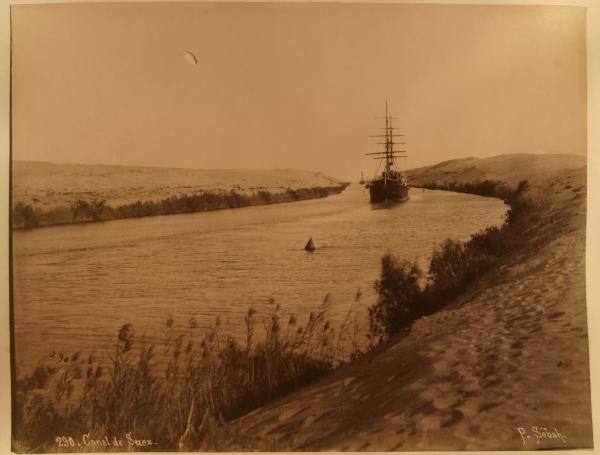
(264, 196)
(453, 264)
(24, 215)
(399, 296)
(448, 266)
(88, 210)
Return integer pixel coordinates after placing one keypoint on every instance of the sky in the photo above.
(294, 85)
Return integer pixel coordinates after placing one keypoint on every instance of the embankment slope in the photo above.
(511, 352)
(510, 168)
(47, 185)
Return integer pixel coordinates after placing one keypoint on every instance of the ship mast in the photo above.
(389, 162)
(389, 154)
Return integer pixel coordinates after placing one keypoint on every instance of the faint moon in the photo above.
(190, 57)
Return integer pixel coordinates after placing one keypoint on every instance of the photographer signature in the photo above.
(540, 434)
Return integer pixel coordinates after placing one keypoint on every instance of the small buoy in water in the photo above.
(310, 246)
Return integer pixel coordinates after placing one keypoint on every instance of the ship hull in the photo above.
(387, 191)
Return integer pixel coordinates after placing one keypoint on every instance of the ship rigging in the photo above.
(391, 185)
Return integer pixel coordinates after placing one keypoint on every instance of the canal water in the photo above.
(76, 285)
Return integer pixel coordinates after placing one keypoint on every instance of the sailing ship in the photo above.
(391, 185)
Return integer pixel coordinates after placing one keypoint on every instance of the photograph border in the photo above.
(593, 196)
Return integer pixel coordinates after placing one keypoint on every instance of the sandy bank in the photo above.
(509, 168)
(48, 185)
(46, 194)
(501, 363)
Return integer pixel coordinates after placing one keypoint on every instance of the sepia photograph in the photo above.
(284, 227)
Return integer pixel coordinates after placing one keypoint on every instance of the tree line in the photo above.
(95, 209)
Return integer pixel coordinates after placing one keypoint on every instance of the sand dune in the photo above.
(49, 185)
(507, 168)
(506, 359)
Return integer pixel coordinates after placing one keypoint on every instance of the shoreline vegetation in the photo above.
(196, 381)
(28, 216)
(453, 265)
(207, 381)
(493, 336)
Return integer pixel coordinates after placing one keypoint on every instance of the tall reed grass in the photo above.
(180, 392)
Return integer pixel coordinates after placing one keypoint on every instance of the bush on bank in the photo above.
(90, 210)
(453, 264)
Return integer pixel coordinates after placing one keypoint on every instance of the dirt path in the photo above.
(508, 356)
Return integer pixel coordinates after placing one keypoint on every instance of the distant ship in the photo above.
(391, 185)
